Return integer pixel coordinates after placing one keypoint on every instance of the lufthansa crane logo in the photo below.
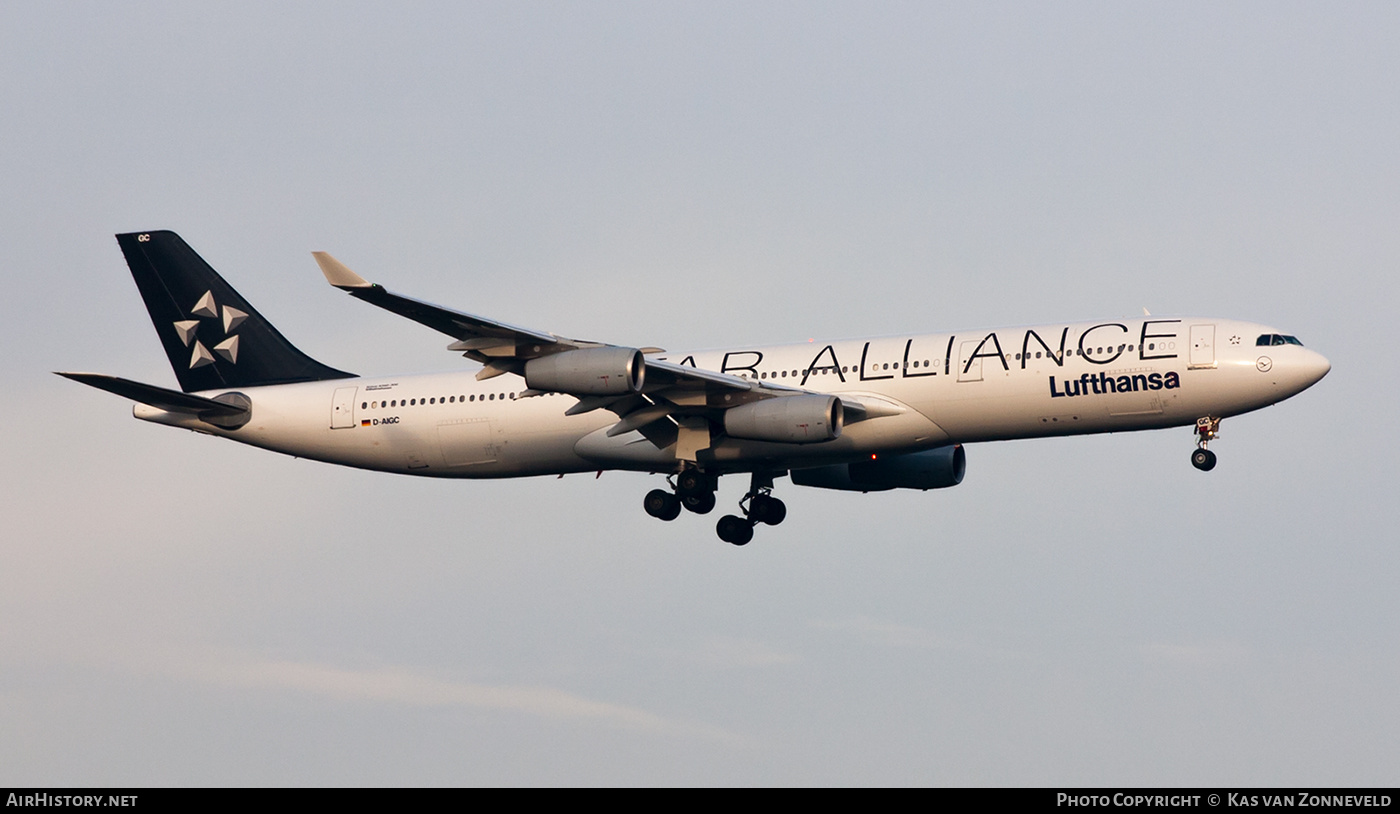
(188, 329)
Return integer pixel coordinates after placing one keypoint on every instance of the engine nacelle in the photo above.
(804, 419)
(588, 372)
(931, 469)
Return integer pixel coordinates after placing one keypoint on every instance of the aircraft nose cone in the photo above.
(1314, 367)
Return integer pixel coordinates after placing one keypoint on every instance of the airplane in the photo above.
(890, 412)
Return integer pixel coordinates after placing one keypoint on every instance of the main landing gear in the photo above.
(1206, 429)
(759, 506)
(695, 490)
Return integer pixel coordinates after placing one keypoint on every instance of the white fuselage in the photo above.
(919, 392)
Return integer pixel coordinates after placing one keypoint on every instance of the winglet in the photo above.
(337, 274)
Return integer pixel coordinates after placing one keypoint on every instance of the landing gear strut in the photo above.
(1206, 429)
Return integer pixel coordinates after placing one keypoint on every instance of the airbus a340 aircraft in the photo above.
(864, 415)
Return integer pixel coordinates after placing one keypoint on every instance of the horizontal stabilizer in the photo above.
(162, 399)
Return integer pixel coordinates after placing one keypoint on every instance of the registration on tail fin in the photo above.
(213, 337)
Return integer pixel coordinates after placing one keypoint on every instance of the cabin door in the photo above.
(1202, 346)
(343, 408)
(972, 372)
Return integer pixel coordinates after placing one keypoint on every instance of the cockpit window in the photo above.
(1277, 339)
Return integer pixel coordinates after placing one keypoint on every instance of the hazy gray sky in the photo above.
(176, 609)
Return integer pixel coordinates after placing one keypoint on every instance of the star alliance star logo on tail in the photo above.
(187, 329)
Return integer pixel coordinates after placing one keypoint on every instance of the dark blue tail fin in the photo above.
(213, 337)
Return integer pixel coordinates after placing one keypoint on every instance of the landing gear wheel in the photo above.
(662, 505)
(767, 509)
(734, 530)
(699, 502)
(1203, 459)
(691, 481)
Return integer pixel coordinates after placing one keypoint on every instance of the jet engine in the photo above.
(803, 419)
(931, 469)
(588, 372)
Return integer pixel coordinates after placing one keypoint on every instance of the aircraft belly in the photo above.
(907, 432)
(538, 453)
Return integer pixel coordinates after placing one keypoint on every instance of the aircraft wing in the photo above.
(670, 391)
(503, 347)
(478, 337)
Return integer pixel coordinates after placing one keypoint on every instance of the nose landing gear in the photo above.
(1207, 428)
